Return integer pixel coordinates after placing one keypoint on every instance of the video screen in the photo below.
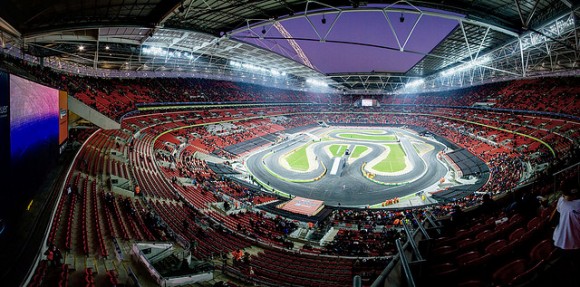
(4, 136)
(34, 138)
(368, 103)
(63, 117)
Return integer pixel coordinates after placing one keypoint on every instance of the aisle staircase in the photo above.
(329, 236)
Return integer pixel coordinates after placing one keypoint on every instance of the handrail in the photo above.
(436, 226)
(163, 252)
(565, 169)
(421, 227)
(405, 264)
(133, 277)
(411, 240)
(380, 279)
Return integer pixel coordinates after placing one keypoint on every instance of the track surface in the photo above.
(349, 187)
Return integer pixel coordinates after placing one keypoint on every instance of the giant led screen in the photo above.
(34, 136)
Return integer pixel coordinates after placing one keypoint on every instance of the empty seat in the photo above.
(498, 248)
(443, 251)
(535, 223)
(443, 273)
(506, 274)
(543, 251)
(465, 258)
(471, 283)
(540, 254)
(516, 235)
(468, 244)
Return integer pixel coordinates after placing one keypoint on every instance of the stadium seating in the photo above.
(86, 221)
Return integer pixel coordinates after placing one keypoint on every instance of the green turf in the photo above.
(423, 148)
(374, 132)
(394, 162)
(297, 159)
(358, 150)
(337, 150)
(367, 137)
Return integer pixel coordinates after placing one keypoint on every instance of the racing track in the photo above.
(349, 187)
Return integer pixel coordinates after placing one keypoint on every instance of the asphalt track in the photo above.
(348, 187)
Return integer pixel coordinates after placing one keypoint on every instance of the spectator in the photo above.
(488, 205)
(50, 255)
(193, 245)
(529, 205)
(57, 256)
(567, 233)
(457, 218)
(185, 224)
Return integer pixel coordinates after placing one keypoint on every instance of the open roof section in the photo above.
(376, 38)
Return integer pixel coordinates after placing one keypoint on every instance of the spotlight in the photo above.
(107, 48)
(81, 48)
(263, 30)
(323, 20)
(402, 19)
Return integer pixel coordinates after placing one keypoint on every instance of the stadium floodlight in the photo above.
(466, 66)
(154, 51)
(161, 52)
(414, 83)
(256, 69)
(316, 83)
(553, 30)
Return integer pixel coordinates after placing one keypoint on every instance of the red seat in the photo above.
(497, 248)
(465, 258)
(443, 273)
(468, 244)
(540, 254)
(516, 235)
(483, 235)
(535, 223)
(471, 283)
(472, 260)
(543, 251)
(443, 251)
(506, 274)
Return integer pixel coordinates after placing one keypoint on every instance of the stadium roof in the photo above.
(362, 46)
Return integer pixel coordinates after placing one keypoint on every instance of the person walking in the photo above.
(567, 233)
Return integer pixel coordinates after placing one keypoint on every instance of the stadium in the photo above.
(289, 143)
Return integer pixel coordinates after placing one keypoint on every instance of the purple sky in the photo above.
(366, 28)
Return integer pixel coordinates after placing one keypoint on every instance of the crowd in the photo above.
(116, 97)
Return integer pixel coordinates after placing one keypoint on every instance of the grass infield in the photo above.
(394, 162)
(358, 150)
(367, 137)
(297, 159)
(337, 150)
